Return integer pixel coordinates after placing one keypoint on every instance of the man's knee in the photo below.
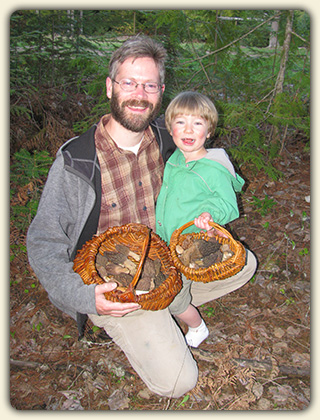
(186, 384)
(175, 387)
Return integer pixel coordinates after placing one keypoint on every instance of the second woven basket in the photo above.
(218, 271)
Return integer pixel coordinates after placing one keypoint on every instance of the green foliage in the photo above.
(266, 225)
(304, 252)
(249, 143)
(37, 327)
(174, 23)
(28, 166)
(16, 249)
(209, 312)
(241, 78)
(183, 401)
(263, 206)
(47, 48)
(222, 53)
(27, 169)
(292, 111)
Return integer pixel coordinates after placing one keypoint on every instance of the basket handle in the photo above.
(128, 295)
(213, 224)
(142, 258)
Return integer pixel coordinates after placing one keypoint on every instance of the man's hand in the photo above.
(106, 307)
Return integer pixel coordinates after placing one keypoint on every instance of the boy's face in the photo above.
(135, 110)
(189, 133)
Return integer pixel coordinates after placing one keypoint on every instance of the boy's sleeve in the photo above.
(222, 203)
(225, 183)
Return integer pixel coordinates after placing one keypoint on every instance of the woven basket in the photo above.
(218, 271)
(143, 242)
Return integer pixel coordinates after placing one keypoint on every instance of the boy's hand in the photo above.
(202, 222)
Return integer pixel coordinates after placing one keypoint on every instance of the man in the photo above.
(109, 176)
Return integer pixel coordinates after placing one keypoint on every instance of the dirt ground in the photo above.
(257, 355)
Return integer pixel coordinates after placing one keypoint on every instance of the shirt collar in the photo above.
(104, 139)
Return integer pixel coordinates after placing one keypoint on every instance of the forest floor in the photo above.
(257, 355)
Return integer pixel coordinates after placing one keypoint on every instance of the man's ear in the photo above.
(109, 87)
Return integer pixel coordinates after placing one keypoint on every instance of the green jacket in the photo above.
(205, 185)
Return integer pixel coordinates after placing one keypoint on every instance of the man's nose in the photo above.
(140, 92)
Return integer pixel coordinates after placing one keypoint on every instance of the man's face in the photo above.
(135, 110)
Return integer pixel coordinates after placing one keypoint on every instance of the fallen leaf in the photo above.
(257, 390)
(280, 393)
(118, 400)
(279, 332)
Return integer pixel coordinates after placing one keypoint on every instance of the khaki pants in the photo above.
(155, 345)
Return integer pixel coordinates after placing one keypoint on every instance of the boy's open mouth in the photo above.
(188, 141)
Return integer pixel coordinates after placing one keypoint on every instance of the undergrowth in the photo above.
(28, 172)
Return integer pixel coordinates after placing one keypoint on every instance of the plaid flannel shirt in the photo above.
(130, 183)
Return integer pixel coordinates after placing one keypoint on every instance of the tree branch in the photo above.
(236, 40)
(300, 37)
(252, 363)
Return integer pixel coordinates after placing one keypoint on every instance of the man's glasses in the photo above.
(129, 86)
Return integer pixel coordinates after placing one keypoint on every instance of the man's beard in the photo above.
(135, 123)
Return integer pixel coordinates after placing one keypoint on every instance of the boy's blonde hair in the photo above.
(192, 103)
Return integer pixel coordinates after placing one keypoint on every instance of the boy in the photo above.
(199, 185)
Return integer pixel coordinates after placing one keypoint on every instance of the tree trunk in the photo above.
(283, 63)
(81, 22)
(285, 54)
(70, 14)
(273, 40)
